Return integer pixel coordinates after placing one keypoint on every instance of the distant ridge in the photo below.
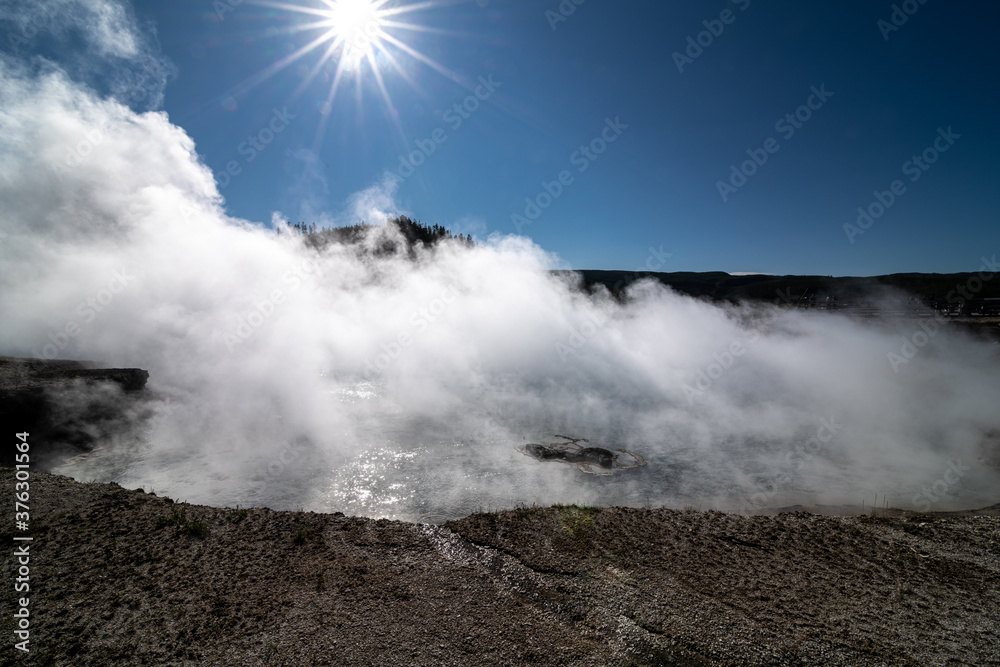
(935, 290)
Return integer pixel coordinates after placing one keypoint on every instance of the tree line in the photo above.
(411, 230)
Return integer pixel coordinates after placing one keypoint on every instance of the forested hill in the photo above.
(932, 289)
(413, 232)
(971, 293)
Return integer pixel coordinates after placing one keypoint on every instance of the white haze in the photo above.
(289, 417)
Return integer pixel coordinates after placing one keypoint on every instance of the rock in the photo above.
(66, 405)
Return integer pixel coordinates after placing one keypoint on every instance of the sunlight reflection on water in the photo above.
(416, 468)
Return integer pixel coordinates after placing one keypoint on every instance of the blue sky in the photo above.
(885, 94)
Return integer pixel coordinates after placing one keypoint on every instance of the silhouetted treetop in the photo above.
(411, 231)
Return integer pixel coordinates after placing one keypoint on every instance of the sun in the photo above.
(356, 26)
(358, 41)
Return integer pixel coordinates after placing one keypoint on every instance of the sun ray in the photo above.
(422, 28)
(406, 9)
(416, 55)
(314, 70)
(388, 102)
(398, 68)
(277, 66)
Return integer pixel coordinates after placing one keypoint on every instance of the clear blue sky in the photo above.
(657, 184)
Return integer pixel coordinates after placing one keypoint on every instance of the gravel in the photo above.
(126, 577)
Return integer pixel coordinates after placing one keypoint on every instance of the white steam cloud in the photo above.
(399, 387)
(99, 42)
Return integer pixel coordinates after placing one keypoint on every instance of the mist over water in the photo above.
(399, 387)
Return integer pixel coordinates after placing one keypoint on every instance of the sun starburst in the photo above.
(359, 40)
(356, 26)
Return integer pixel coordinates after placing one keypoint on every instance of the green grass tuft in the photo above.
(178, 518)
(238, 514)
(576, 520)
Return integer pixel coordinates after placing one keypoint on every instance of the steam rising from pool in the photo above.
(399, 386)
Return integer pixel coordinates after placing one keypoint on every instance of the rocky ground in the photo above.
(71, 404)
(19, 374)
(123, 577)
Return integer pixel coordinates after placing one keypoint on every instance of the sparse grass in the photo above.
(196, 529)
(875, 507)
(878, 515)
(237, 514)
(576, 520)
(301, 537)
(489, 509)
(320, 583)
(178, 518)
(525, 510)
